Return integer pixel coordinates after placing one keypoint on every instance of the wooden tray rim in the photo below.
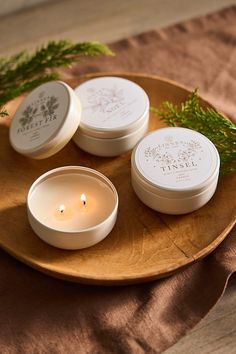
(125, 280)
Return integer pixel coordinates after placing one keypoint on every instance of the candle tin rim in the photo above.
(114, 133)
(175, 193)
(63, 132)
(173, 196)
(44, 177)
(118, 138)
(108, 133)
(173, 206)
(164, 190)
(110, 147)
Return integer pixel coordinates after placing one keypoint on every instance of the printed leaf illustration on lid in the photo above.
(184, 151)
(47, 110)
(28, 115)
(103, 99)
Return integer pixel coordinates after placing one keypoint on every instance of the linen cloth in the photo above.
(39, 314)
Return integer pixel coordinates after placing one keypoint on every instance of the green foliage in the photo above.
(3, 112)
(190, 114)
(23, 72)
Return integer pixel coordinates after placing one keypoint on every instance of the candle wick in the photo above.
(62, 208)
(83, 199)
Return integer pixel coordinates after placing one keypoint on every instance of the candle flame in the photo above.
(62, 208)
(83, 199)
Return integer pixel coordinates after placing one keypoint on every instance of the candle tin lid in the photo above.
(175, 162)
(46, 120)
(112, 107)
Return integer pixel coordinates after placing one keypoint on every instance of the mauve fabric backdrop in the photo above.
(40, 314)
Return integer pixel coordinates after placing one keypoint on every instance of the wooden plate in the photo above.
(144, 244)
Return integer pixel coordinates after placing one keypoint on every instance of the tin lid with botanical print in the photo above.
(46, 120)
(176, 159)
(112, 107)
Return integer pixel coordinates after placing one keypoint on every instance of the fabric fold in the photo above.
(40, 314)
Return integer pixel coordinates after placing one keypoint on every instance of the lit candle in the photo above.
(72, 207)
(83, 199)
(62, 208)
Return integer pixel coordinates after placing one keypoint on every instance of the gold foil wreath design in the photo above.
(185, 153)
(99, 100)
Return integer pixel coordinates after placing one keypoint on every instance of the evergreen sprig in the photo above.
(23, 72)
(190, 114)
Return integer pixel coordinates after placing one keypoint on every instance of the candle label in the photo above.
(181, 159)
(40, 116)
(111, 102)
(39, 112)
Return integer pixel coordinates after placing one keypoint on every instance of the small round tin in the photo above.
(46, 120)
(75, 224)
(114, 117)
(175, 170)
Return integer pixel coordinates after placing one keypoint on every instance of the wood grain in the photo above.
(213, 334)
(144, 244)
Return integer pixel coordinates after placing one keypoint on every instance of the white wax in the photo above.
(63, 192)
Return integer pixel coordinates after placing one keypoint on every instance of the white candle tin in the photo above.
(46, 120)
(114, 117)
(72, 207)
(175, 170)
(115, 114)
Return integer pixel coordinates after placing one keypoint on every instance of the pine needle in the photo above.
(23, 72)
(190, 114)
(3, 112)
